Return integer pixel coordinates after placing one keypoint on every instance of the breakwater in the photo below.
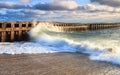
(18, 31)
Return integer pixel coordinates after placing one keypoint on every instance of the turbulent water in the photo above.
(102, 45)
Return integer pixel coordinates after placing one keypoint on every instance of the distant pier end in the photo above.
(18, 31)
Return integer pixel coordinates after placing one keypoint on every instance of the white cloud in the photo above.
(114, 3)
(11, 5)
(60, 10)
(65, 4)
(57, 5)
(98, 8)
(34, 12)
(24, 1)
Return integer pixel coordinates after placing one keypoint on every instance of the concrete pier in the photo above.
(14, 31)
(18, 31)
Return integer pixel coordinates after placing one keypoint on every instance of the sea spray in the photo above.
(100, 45)
(97, 44)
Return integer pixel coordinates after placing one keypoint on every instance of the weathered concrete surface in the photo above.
(14, 31)
(54, 64)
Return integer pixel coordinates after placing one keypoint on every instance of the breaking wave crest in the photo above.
(99, 45)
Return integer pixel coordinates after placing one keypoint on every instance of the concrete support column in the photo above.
(3, 36)
(20, 31)
(94, 27)
(3, 33)
(97, 26)
(12, 35)
(12, 32)
(27, 25)
(4, 26)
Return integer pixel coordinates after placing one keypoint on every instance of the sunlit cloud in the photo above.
(57, 5)
(24, 1)
(60, 10)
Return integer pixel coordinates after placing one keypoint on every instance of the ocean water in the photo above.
(100, 45)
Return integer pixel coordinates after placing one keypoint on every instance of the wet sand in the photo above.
(54, 64)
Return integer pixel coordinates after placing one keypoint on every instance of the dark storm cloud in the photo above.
(114, 3)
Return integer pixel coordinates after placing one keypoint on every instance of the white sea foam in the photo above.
(98, 47)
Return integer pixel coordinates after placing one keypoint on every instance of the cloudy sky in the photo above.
(77, 11)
